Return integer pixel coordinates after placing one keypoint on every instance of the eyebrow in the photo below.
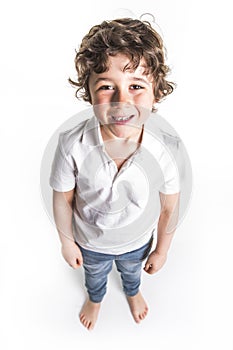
(140, 79)
(132, 79)
(101, 79)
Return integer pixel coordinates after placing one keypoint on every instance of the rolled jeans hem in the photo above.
(132, 294)
(95, 300)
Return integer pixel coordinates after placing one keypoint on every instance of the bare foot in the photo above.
(89, 313)
(138, 307)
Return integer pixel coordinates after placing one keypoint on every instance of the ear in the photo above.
(155, 101)
(154, 105)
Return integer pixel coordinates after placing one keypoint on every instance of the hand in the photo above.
(154, 262)
(72, 254)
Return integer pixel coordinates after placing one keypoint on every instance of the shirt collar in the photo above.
(91, 133)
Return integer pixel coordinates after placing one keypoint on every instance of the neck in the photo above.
(135, 136)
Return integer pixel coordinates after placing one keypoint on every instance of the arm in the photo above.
(166, 228)
(63, 213)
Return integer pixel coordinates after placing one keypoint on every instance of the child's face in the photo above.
(122, 99)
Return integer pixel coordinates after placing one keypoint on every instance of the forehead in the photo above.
(120, 64)
(124, 63)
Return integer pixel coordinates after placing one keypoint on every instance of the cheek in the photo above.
(100, 110)
(151, 100)
(144, 112)
(147, 101)
(100, 99)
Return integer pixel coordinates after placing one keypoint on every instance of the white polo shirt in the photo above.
(115, 211)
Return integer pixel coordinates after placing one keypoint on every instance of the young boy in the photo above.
(114, 181)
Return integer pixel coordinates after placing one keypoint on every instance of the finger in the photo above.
(75, 264)
(153, 269)
(79, 262)
(147, 267)
(150, 271)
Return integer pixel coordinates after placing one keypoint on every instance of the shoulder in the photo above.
(159, 128)
(68, 138)
(162, 130)
(170, 140)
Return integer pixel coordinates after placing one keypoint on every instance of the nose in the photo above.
(121, 95)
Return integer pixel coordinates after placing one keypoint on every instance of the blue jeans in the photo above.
(98, 265)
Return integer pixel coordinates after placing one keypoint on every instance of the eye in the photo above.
(105, 87)
(136, 87)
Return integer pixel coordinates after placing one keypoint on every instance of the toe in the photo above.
(88, 324)
(137, 318)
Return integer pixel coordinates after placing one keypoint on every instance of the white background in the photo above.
(191, 297)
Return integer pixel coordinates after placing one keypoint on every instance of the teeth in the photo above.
(119, 119)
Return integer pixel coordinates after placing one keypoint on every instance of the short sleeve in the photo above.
(62, 177)
(171, 178)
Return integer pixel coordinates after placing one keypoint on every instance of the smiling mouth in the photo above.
(122, 118)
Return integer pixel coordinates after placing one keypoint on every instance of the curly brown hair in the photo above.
(134, 38)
